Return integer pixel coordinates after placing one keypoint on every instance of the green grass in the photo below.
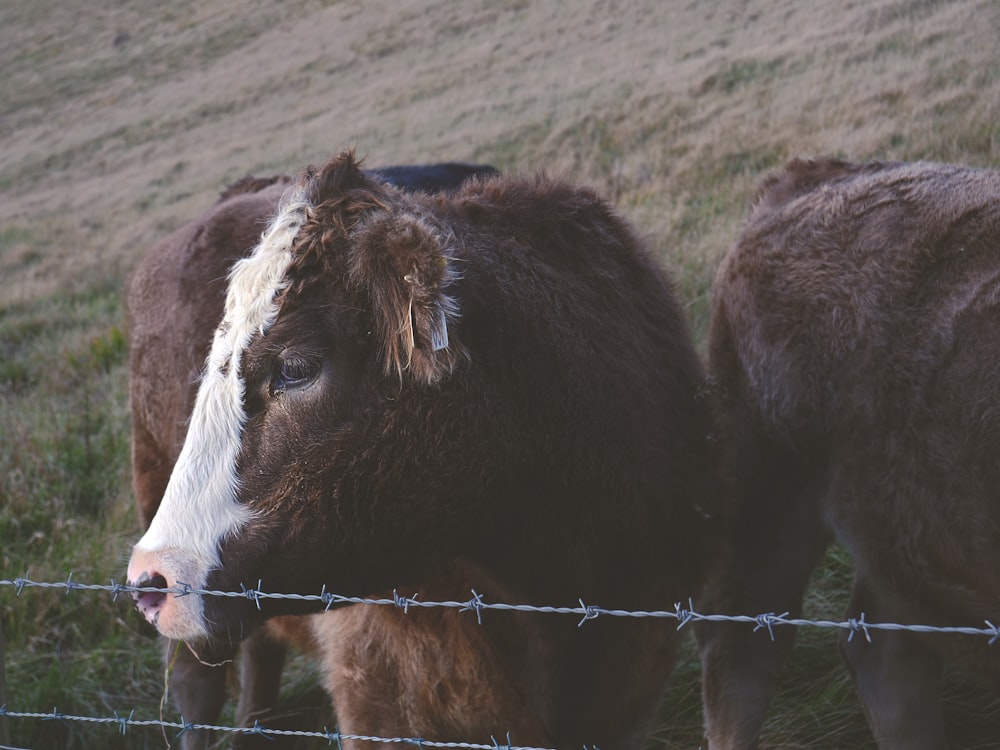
(63, 509)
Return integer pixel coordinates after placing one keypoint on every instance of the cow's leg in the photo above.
(262, 658)
(198, 687)
(898, 678)
(198, 680)
(774, 544)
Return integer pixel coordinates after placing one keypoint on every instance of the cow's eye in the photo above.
(291, 372)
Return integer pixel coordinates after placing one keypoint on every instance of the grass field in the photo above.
(120, 120)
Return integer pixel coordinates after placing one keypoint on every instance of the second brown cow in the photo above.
(856, 347)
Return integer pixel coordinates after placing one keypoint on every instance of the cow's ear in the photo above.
(405, 264)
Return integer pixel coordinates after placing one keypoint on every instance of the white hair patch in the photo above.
(200, 508)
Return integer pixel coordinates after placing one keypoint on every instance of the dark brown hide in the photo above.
(558, 447)
(854, 340)
(174, 302)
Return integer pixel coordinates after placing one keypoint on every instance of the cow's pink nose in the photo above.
(149, 603)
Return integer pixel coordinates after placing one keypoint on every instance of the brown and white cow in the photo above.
(175, 300)
(856, 345)
(493, 390)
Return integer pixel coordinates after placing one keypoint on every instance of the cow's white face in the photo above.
(301, 438)
(200, 508)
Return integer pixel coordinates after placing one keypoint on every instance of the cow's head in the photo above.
(312, 410)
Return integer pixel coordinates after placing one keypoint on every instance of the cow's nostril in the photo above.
(149, 602)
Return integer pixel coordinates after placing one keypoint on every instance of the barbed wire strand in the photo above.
(683, 615)
(332, 737)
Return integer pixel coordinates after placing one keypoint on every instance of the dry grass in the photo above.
(120, 123)
(120, 120)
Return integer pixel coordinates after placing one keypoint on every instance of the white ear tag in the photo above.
(439, 332)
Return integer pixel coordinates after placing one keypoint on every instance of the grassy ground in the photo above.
(119, 120)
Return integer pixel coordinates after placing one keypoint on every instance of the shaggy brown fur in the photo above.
(854, 339)
(492, 390)
(174, 302)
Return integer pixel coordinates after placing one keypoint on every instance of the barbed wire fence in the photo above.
(4, 726)
(476, 605)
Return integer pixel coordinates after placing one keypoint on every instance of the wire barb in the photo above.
(684, 616)
(186, 726)
(70, 584)
(332, 737)
(327, 598)
(589, 612)
(253, 595)
(124, 721)
(856, 626)
(116, 589)
(476, 605)
(768, 621)
(404, 602)
(260, 731)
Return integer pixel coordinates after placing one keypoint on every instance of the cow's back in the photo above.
(849, 283)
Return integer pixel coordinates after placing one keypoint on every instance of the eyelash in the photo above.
(293, 372)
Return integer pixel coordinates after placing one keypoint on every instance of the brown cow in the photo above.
(494, 390)
(174, 302)
(854, 341)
